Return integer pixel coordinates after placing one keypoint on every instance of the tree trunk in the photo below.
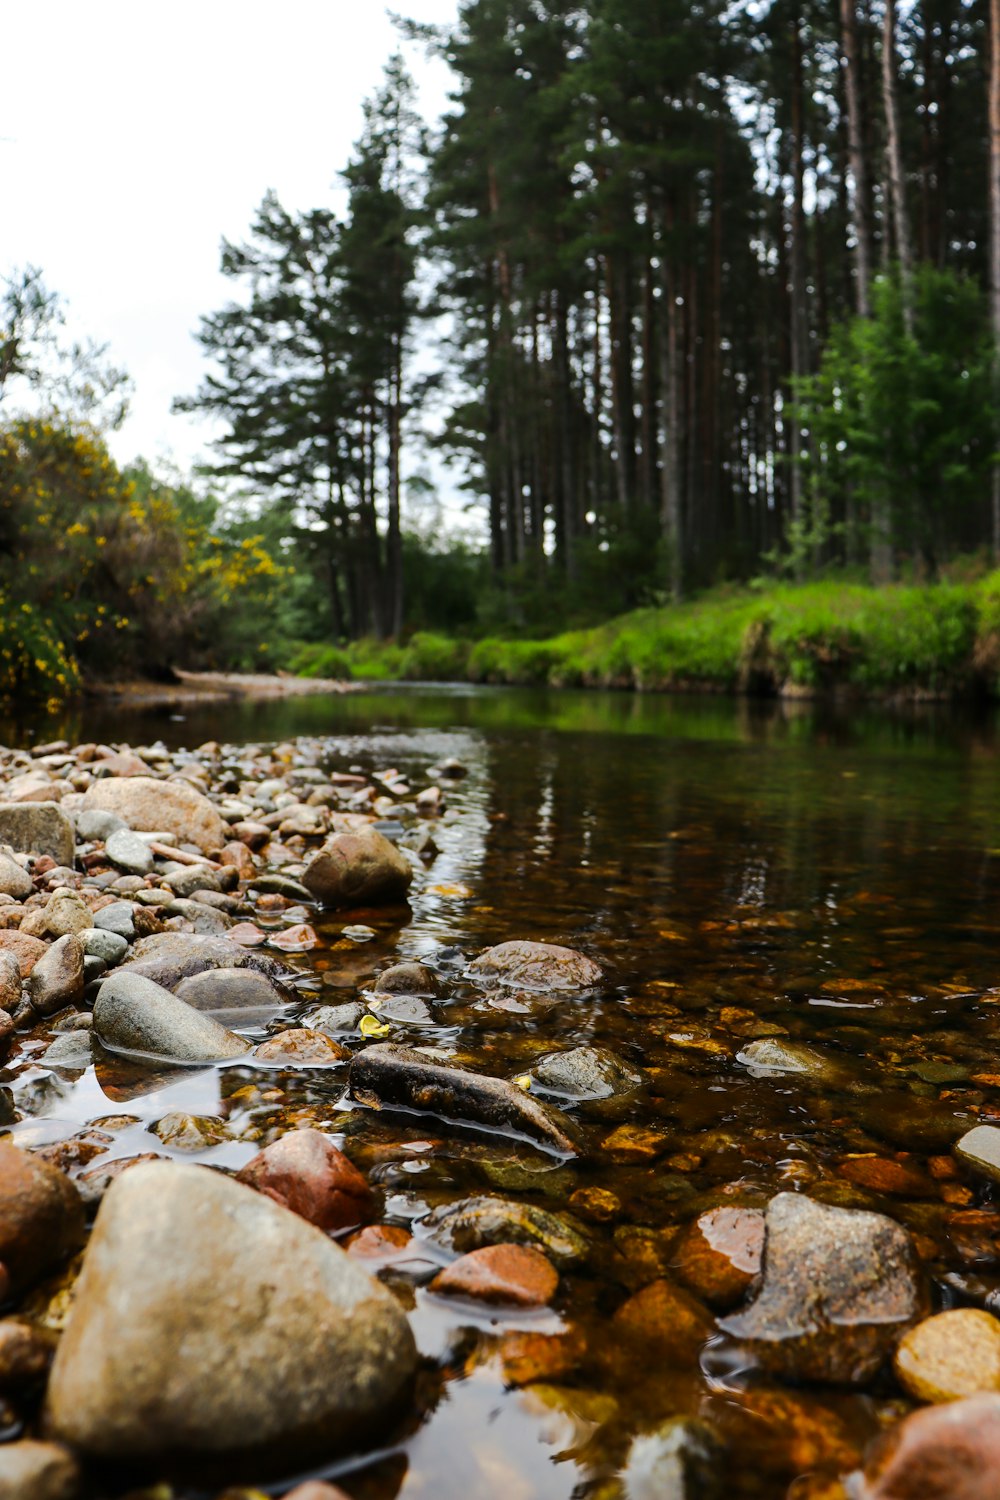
(670, 468)
(857, 157)
(799, 331)
(994, 159)
(894, 161)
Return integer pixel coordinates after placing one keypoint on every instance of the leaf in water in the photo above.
(523, 1081)
(372, 1026)
(448, 889)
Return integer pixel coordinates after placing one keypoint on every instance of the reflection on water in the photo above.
(742, 871)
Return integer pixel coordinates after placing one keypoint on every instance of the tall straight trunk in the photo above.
(671, 508)
(567, 506)
(394, 536)
(799, 330)
(857, 156)
(994, 160)
(894, 160)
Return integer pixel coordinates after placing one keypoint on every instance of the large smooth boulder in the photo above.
(41, 1216)
(536, 966)
(838, 1288)
(39, 828)
(210, 1321)
(135, 1015)
(358, 868)
(151, 806)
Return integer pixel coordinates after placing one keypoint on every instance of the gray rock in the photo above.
(281, 885)
(405, 1010)
(116, 918)
(151, 806)
(291, 1351)
(388, 1075)
(14, 879)
(93, 968)
(169, 957)
(774, 1055)
(204, 921)
(70, 1050)
(335, 1018)
(99, 942)
(93, 824)
(838, 1288)
(134, 1015)
(682, 1460)
(232, 990)
(359, 868)
(65, 912)
(586, 1073)
(39, 828)
(31, 1470)
(979, 1150)
(190, 878)
(474, 1222)
(57, 978)
(127, 851)
(536, 966)
(409, 979)
(10, 981)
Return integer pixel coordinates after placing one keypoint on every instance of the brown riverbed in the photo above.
(738, 875)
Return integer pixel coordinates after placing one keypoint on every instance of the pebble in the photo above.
(57, 979)
(586, 1073)
(41, 1216)
(954, 1354)
(473, 1222)
(668, 1317)
(10, 981)
(25, 1355)
(303, 1048)
(31, 1470)
(358, 868)
(99, 942)
(14, 879)
(719, 1253)
(536, 966)
(513, 1274)
(947, 1452)
(134, 1015)
(117, 919)
(305, 1172)
(39, 828)
(129, 852)
(979, 1150)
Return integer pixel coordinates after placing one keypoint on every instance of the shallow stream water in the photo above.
(738, 871)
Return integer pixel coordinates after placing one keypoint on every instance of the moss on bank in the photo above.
(936, 640)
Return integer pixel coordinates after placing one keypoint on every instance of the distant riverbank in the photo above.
(934, 641)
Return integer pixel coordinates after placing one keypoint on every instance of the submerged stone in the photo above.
(536, 966)
(474, 1222)
(586, 1073)
(949, 1356)
(209, 1321)
(979, 1150)
(682, 1460)
(949, 1452)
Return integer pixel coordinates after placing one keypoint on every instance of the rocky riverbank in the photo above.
(218, 1299)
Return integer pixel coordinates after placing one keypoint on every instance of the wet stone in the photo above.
(586, 1073)
(358, 868)
(682, 1460)
(474, 1222)
(979, 1150)
(335, 1018)
(512, 1274)
(409, 979)
(31, 1470)
(169, 957)
(57, 978)
(719, 1253)
(668, 1317)
(305, 1172)
(134, 1015)
(947, 1452)
(183, 1132)
(839, 1286)
(302, 1048)
(41, 1216)
(778, 1056)
(231, 990)
(536, 966)
(949, 1356)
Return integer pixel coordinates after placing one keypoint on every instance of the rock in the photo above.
(27, 950)
(719, 1253)
(66, 913)
(949, 1356)
(586, 1073)
(682, 1460)
(183, 1132)
(239, 857)
(98, 942)
(388, 1075)
(668, 1317)
(191, 878)
(151, 806)
(949, 1452)
(302, 1048)
(127, 851)
(288, 1349)
(305, 1172)
(10, 981)
(39, 828)
(121, 763)
(316, 1489)
(838, 1288)
(474, 1222)
(881, 1174)
(41, 1216)
(409, 979)
(25, 1356)
(169, 957)
(358, 868)
(117, 918)
(536, 966)
(57, 978)
(773, 1055)
(31, 1470)
(335, 1018)
(93, 824)
(514, 1274)
(14, 880)
(233, 991)
(134, 1015)
(72, 1050)
(281, 885)
(979, 1150)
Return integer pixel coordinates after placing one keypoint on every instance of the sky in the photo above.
(134, 136)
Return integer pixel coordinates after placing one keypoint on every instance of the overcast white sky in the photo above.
(133, 136)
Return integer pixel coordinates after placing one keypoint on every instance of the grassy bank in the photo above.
(931, 640)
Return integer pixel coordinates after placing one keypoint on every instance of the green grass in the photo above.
(936, 639)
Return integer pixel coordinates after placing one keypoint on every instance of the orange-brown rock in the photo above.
(27, 950)
(881, 1174)
(379, 1242)
(635, 1143)
(237, 854)
(25, 1355)
(303, 1047)
(949, 1452)
(949, 1356)
(305, 1172)
(529, 1357)
(514, 1274)
(718, 1254)
(667, 1316)
(784, 1434)
(41, 1216)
